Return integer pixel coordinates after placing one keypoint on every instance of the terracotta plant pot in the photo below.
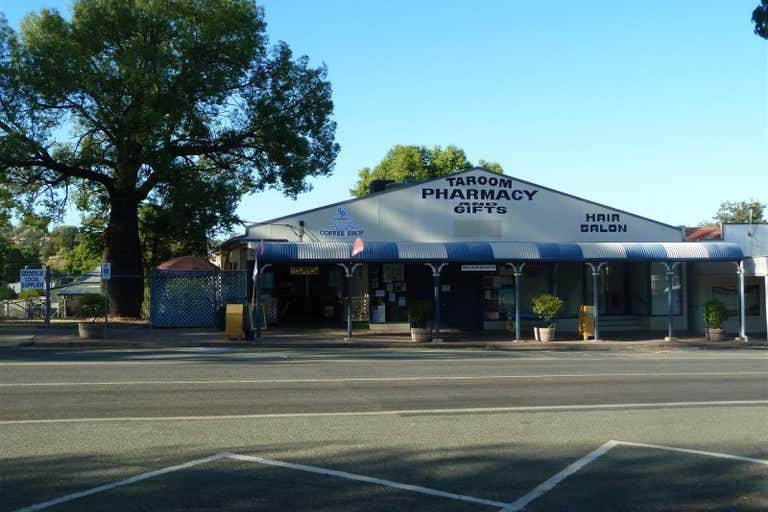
(715, 334)
(419, 334)
(90, 330)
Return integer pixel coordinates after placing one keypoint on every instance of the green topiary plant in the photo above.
(420, 312)
(715, 314)
(547, 307)
(91, 307)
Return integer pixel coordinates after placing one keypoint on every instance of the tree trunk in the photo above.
(122, 249)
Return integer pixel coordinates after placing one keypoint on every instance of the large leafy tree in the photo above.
(413, 163)
(740, 212)
(760, 19)
(206, 202)
(132, 96)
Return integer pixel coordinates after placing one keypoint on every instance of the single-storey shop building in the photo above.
(481, 245)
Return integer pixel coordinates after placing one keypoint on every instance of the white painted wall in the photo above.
(752, 238)
(422, 212)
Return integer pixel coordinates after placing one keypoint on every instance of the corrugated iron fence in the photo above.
(194, 298)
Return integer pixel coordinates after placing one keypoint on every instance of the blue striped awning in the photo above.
(489, 252)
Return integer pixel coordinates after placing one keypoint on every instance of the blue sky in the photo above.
(659, 108)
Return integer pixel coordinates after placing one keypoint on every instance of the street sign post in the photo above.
(106, 271)
(106, 276)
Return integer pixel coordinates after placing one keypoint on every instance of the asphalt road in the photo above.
(491, 426)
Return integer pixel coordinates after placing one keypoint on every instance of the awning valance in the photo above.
(489, 252)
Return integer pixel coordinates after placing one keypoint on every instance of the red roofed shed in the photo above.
(187, 263)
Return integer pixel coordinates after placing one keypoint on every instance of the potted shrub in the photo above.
(715, 314)
(546, 307)
(419, 315)
(88, 316)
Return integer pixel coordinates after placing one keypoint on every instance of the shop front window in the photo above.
(659, 287)
(567, 283)
(388, 291)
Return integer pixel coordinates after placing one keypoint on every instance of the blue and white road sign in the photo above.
(32, 279)
(106, 271)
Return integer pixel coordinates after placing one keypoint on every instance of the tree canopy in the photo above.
(413, 163)
(138, 102)
(740, 212)
(760, 19)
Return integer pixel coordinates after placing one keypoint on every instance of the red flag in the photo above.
(357, 247)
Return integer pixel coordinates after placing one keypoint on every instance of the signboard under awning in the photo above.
(478, 268)
(305, 271)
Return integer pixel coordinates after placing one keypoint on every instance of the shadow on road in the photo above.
(624, 479)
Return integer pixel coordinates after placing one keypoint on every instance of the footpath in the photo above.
(122, 336)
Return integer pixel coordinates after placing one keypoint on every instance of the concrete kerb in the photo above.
(144, 337)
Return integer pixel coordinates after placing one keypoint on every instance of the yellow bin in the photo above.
(234, 325)
(587, 321)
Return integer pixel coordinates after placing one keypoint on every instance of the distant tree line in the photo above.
(416, 163)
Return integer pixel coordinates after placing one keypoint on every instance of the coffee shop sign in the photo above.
(342, 225)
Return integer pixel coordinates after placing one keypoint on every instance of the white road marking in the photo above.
(269, 462)
(98, 363)
(370, 480)
(373, 379)
(550, 484)
(304, 358)
(269, 359)
(515, 506)
(694, 452)
(121, 483)
(395, 412)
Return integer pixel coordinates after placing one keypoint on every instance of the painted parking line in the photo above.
(694, 452)
(370, 480)
(270, 462)
(377, 379)
(120, 483)
(592, 456)
(515, 506)
(396, 412)
(550, 483)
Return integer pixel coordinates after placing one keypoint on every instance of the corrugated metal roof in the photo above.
(482, 252)
(324, 251)
(516, 250)
(603, 251)
(421, 251)
(378, 251)
(695, 251)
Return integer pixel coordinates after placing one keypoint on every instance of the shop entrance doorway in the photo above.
(461, 298)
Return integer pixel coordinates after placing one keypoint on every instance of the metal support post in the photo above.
(257, 295)
(106, 306)
(670, 275)
(47, 296)
(518, 272)
(596, 293)
(436, 280)
(349, 272)
(765, 291)
(742, 305)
